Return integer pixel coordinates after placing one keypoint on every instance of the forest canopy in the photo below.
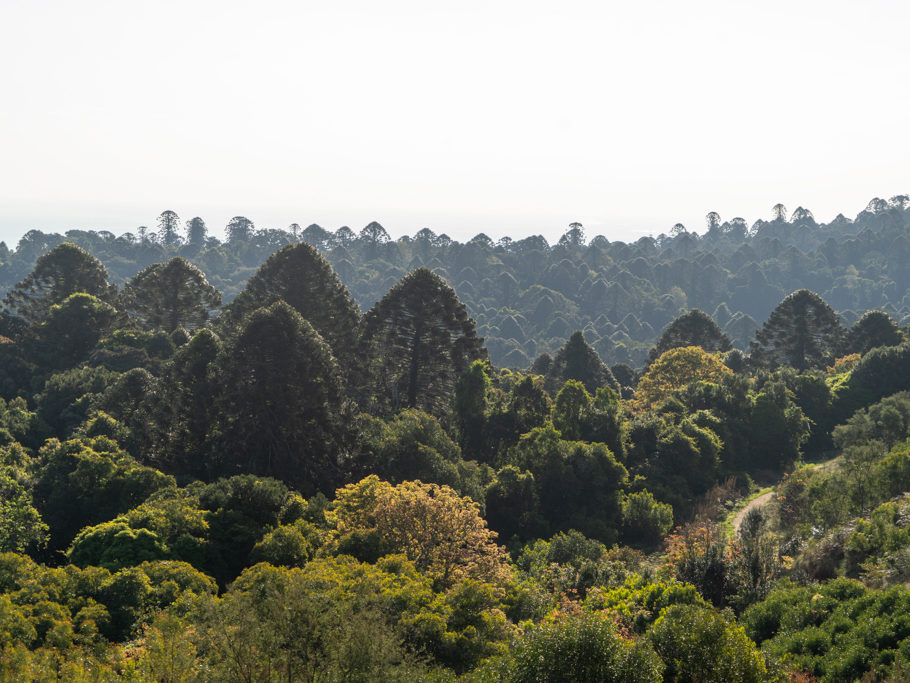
(310, 455)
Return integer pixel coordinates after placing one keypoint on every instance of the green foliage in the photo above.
(874, 548)
(21, 525)
(678, 461)
(71, 606)
(126, 348)
(240, 510)
(169, 525)
(886, 422)
(18, 424)
(513, 505)
(71, 331)
(828, 498)
(67, 397)
(695, 328)
(64, 270)
(299, 276)
(760, 424)
(579, 417)
(413, 445)
(778, 429)
(529, 405)
(881, 372)
(578, 485)
(803, 331)
(219, 528)
(700, 645)
(873, 330)
(697, 554)
(645, 520)
(469, 410)
(279, 407)
(184, 411)
(576, 647)
(526, 406)
(676, 369)
(570, 402)
(273, 392)
(753, 560)
(290, 545)
(578, 361)
(571, 564)
(170, 295)
(416, 342)
(836, 631)
(638, 602)
(89, 480)
(878, 549)
(341, 613)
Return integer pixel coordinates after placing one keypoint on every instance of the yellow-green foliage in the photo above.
(69, 606)
(441, 532)
(317, 604)
(676, 369)
(640, 602)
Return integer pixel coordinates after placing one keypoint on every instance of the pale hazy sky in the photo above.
(499, 117)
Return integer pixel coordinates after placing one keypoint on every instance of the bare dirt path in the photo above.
(754, 504)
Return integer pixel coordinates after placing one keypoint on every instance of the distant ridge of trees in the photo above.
(528, 296)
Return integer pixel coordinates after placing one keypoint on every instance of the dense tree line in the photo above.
(527, 296)
(285, 488)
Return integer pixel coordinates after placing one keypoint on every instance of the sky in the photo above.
(502, 117)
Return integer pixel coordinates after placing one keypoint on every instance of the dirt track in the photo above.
(754, 504)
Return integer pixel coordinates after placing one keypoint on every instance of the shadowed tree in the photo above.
(802, 215)
(803, 332)
(318, 236)
(168, 225)
(579, 361)
(695, 328)
(374, 232)
(574, 236)
(196, 231)
(170, 295)
(529, 405)
(183, 405)
(64, 270)
(712, 220)
(416, 342)
(470, 407)
(874, 329)
(780, 212)
(239, 229)
(280, 402)
(301, 277)
(71, 330)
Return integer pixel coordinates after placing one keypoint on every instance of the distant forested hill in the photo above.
(528, 296)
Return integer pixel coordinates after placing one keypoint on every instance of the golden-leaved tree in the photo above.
(676, 369)
(441, 532)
